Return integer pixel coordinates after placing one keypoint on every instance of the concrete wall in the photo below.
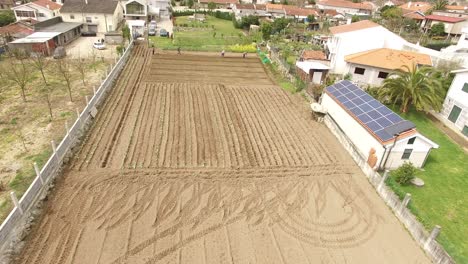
(456, 96)
(344, 10)
(105, 22)
(370, 76)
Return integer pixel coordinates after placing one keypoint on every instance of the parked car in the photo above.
(163, 32)
(153, 23)
(99, 45)
(59, 53)
(152, 31)
(88, 34)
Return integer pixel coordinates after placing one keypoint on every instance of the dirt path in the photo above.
(212, 168)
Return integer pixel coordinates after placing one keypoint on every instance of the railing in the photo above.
(11, 229)
(426, 240)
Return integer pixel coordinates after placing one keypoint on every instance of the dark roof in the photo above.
(378, 119)
(93, 6)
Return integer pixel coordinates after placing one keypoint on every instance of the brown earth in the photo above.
(199, 159)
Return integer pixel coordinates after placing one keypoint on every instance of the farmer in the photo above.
(178, 50)
(244, 55)
(222, 53)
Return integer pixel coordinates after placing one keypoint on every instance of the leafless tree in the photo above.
(80, 66)
(40, 62)
(17, 71)
(93, 59)
(46, 93)
(63, 67)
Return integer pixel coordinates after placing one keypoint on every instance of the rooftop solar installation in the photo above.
(378, 118)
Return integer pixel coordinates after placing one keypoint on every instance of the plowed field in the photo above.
(199, 159)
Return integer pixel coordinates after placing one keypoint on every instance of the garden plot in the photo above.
(212, 169)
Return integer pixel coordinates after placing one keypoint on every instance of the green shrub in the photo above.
(120, 49)
(404, 174)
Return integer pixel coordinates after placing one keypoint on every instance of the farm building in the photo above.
(373, 66)
(313, 66)
(379, 135)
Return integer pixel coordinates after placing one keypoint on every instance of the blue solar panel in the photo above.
(370, 112)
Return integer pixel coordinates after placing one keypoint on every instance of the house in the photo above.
(14, 31)
(455, 107)
(276, 10)
(300, 14)
(48, 35)
(96, 15)
(160, 8)
(146, 10)
(219, 3)
(347, 7)
(456, 9)
(373, 66)
(6, 4)
(348, 39)
(379, 135)
(422, 7)
(39, 10)
(312, 66)
(417, 16)
(452, 25)
(241, 10)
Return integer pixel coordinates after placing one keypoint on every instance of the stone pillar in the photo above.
(435, 232)
(87, 100)
(405, 202)
(382, 182)
(15, 201)
(67, 128)
(38, 172)
(78, 116)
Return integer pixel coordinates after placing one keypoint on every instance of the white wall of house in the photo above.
(136, 2)
(343, 44)
(370, 75)
(364, 141)
(456, 97)
(449, 28)
(35, 12)
(103, 22)
(344, 10)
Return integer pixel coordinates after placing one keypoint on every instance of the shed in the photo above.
(380, 136)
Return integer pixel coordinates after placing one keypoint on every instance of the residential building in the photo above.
(219, 3)
(241, 10)
(455, 108)
(422, 7)
(347, 7)
(373, 66)
(312, 66)
(96, 15)
(417, 16)
(348, 39)
(48, 35)
(457, 9)
(39, 10)
(452, 25)
(14, 31)
(377, 134)
(6, 4)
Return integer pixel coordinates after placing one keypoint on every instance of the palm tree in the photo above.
(415, 86)
(439, 5)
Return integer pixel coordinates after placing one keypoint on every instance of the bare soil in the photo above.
(199, 159)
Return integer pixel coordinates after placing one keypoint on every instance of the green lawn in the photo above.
(444, 198)
(212, 35)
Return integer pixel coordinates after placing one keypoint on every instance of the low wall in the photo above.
(17, 224)
(426, 240)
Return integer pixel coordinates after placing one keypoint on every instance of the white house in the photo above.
(39, 10)
(373, 66)
(357, 37)
(452, 25)
(312, 66)
(96, 15)
(379, 135)
(455, 108)
(347, 7)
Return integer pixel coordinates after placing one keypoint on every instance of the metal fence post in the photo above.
(78, 116)
(54, 148)
(38, 172)
(15, 201)
(87, 100)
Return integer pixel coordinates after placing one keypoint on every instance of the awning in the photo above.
(38, 37)
(311, 65)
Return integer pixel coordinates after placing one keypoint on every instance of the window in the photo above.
(383, 75)
(454, 114)
(465, 131)
(359, 71)
(72, 16)
(411, 140)
(89, 20)
(40, 14)
(406, 154)
(20, 13)
(465, 87)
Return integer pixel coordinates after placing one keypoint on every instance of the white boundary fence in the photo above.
(427, 241)
(13, 224)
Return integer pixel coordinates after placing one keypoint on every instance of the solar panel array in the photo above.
(373, 114)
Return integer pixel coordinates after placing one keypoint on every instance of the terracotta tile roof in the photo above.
(445, 18)
(330, 12)
(364, 24)
(16, 28)
(48, 4)
(313, 55)
(221, 2)
(389, 59)
(454, 7)
(245, 6)
(93, 6)
(414, 15)
(416, 6)
(345, 3)
(260, 7)
(274, 7)
(297, 11)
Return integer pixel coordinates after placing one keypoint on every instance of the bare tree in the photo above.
(17, 72)
(63, 67)
(80, 66)
(93, 59)
(40, 62)
(46, 92)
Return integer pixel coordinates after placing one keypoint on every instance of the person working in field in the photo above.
(178, 50)
(222, 53)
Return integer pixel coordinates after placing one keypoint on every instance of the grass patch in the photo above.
(212, 35)
(443, 200)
